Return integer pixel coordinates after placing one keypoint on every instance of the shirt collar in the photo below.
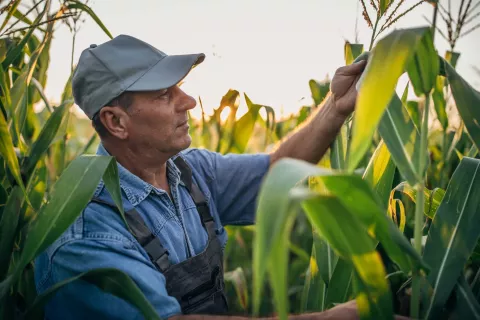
(136, 189)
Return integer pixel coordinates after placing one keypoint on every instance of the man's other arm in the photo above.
(311, 140)
(344, 311)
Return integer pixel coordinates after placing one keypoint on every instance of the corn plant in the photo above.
(43, 190)
(361, 248)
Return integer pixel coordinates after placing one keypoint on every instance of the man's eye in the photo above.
(163, 94)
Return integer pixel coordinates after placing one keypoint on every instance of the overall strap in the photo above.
(156, 252)
(197, 196)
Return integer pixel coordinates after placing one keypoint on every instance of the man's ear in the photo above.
(115, 120)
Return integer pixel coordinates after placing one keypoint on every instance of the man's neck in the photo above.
(151, 168)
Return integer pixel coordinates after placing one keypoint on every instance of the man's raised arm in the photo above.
(312, 139)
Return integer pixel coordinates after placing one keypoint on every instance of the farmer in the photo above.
(177, 200)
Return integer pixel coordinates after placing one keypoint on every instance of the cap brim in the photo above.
(167, 72)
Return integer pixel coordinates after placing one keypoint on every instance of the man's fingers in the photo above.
(352, 69)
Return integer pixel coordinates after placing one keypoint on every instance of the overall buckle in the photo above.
(158, 254)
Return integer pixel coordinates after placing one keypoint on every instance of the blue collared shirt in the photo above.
(99, 238)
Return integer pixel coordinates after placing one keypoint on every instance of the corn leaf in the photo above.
(384, 4)
(338, 152)
(467, 100)
(351, 242)
(453, 234)
(440, 103)
(45, 138)
(109, 280)
(15, 50)
(325, 258)
(314, 288)
(423, 68)
(39, 88)
(452, 57)
(8, 152)
(352, 51)
(74, 4)
(274, 214)
(466, 306)
(433, 198)
(243, 128)
(341, 288)
(8, 228)
(71, 193)
(10, 13)
(402, 138)
(380, 171)
(273, 197)
(319, 90)
(359, 198)
(387, 62)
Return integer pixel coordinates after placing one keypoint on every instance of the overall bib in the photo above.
(197, 283)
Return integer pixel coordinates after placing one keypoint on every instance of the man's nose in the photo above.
(186, 102)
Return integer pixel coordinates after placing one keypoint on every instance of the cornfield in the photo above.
(389, 217)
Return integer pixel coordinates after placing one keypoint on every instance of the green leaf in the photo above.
(452, 57)
(13, 7)
(74, 4)
(20, 16)
(244, 127)
(325, 258)
(109, 280)
(380, 172)
(351, 242)
(70, 194)
(352, 51)
(8, 228)
(466, 306)
(413, 109)
(8, 152)
(40, 91)
(402, 139)
(423, 68)
(467, 99)
(284, 175)
(319, 90)
(45, 138)
(341, 288)
(433, 198)
(314, 288)
(274, 214)
(338, 152)
(387, 61)
(358, 197)
(384, 4)
(440, 103)
(454, 233)
(3, 49)
(13, 53)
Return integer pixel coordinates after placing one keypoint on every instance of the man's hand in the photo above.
(311, 140)
(348, 310)
(344, 93)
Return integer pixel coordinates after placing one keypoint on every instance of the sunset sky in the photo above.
(266, 49)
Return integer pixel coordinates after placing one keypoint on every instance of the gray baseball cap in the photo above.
(125, 63)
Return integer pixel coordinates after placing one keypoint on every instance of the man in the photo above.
(177, 199)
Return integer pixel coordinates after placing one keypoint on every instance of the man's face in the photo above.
(158, 120)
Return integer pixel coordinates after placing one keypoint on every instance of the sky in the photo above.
(268, 50)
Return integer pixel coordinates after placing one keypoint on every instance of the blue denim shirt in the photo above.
(99, 238)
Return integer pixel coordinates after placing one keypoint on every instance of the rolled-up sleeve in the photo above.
(234, 181)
